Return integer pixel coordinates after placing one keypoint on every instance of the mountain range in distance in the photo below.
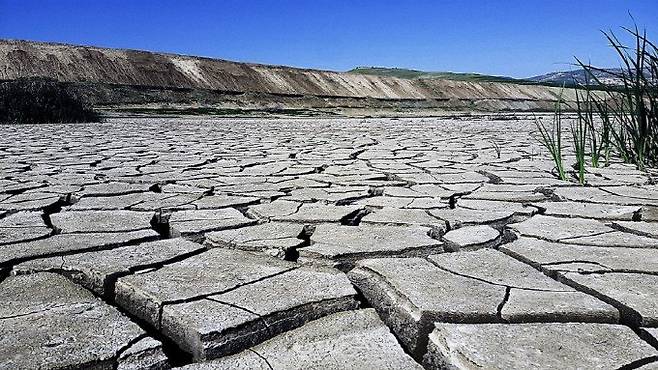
(560, 78)
(607, 77)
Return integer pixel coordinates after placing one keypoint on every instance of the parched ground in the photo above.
(332, 244)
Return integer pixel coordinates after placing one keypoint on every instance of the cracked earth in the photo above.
(297, 244)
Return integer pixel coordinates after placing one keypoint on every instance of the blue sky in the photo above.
(517, 38)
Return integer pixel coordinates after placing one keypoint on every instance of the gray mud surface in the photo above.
(319, 243)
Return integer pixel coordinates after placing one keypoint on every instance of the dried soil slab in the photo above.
(183, 189)
(22, 227)
(223, 201)
(7, 186)
(316, 213)
(170, 202)
(48, 322)
(342, 246)
(68, 243)
(507, 193)
(527, 289)
(265, 168)
(472, 237)
(116, 202)
(332, 194)
(615, 239)
(555, 257)
(298, 183)
(557, 228)
(458, 217)
(648, 192)
(23, 219)
(145, 354)
(273, 238)
(467, 287)
(97, 271)
(588, 210)
(29, 202)
(261, 191)
(634, 294)
(394, 191)
(596, 195)
(580, 231)
(649, 229)
(460, 178)
(496, 206)
(278, 208)
(438, 191)
(346, 340)
(614, 177)
(397, 216)
(113, 188)
(534, 346)
(427, 203)
(400, 202)
(199, 276)
(526, 178)
(223, 301)
(101, 221)
(200, 221)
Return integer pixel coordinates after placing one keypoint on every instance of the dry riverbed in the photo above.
(319, 243)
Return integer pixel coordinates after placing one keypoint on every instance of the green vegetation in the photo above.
(411, 74)
(619, 119)
(496, 148)
(414, 74)
(597, 137)
(551, 138)
(41, 101)
(579, 136)
(629, 112)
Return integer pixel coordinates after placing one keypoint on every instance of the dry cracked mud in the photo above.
(205, 243)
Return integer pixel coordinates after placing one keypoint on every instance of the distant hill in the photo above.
(579, 76)
(554, 79)
(415, 74)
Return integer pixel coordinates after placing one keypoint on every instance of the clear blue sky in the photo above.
(517, 38)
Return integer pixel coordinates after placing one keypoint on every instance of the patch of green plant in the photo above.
(629, 110)
(412, 74)
(551, 138)
(606, 131)
(586, 124)
(455, 76)
(496, 147)
(38, 100)
(579, 136)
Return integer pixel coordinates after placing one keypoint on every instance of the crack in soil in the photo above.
(491, 282)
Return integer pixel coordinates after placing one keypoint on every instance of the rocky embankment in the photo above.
(130, 77)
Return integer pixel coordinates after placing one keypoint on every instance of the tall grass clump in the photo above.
(41, 101)
(496, 147)
(579, 130)
(597, 137)
(628, 109)
(551, 138)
